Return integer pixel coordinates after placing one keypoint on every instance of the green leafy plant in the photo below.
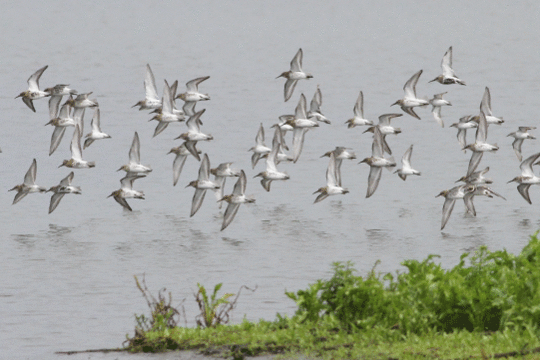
(490, 292)
(162, 314)
(214, 310)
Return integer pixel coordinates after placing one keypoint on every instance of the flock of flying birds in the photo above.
(71, 114)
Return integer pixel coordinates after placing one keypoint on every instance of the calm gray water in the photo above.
(67, 278)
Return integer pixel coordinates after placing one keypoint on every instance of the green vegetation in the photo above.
(487, 304)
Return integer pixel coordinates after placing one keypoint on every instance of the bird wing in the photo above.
(96, 120)
(29, 103)
(122, 201)
(198, 198)
(377, 147)
(474, 162)
(194, 122)
(446, 63)
(517, 148)
(167, 103)
(189, 108)
(298, 142)
(300, 111)
(204, 169)
(406, 159)
(481, 130)
(461, 136)
(135, 150)
(30, 177)
(359, 106)
(288, 89)
(410, 85)
(240, 185)
(331, 172)
(56, 138)
(436, 111)
(161, 126)
(178, 164)
(373, 180)
(54, 104)
(67, 180)
(76, 151)
(150, 84)
(447, 211)
(485, 105)
(316, 102)
(192, 148)
(229, 215)
(523, 189)
(259, 139)
(33, 80)
(410, 111)
(193, 85)
(19, 196)
(55, 200)
(296, 62)
(526, 165)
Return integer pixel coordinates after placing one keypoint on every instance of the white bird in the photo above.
(410, 100)
(301, 124)
(477, 178)
(271, 173)
(29, 184)
(406, 168)
(126, 190)
(182, 153)
(167, 114)
(340, 153)
(458, 192)
(192, 94)
(260, 148)
(33, 91)
(202, 184)
(235, 199)
(56, 93)
(96, 133)
(376, 162)
(480, 145)
(134, 165)
(463, 125)
(62, 189)
(60, 123)
(527, 177)
(79, 104)
(194, 133)
(358, 119)
(315, 108)
(437, 102)
(296, 73)
(385, 128)
(333, 185)
(76, 160)
(485, 107)
(221, 173)
(151, 100)
(448, 76)
(520, 135)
